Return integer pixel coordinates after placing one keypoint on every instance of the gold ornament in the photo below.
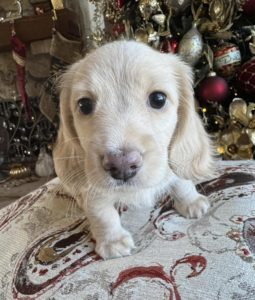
(20, 171)
(243, 113)
(148, 7)
(147, 35)
(191, 46)
(141, 35)
(215, 16)
(219, 11)
(237, 111)
(235, 144)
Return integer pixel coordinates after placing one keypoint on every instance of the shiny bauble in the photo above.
(20, 171)
(213, 89)
(118, 28)
(227, 59)
(159, 19)
(169, 45)
(44, 166)
(119, 3)
(246, 77)
(191, 46)
(238, 110)
(148, 8)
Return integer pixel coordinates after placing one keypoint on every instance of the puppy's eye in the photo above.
(157, 100)
(86, 105)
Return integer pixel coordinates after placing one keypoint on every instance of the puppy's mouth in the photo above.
(124, 182)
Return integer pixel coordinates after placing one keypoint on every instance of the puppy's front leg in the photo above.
(112, 240)
(188, 202)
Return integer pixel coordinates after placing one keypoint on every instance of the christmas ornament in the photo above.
(159, 19)
(234, 143)
(119, 3)
(44, 166)
(222, 12)
(246, 77)
(238, 110)
(141, 35)
(169, 45)
(249, 8)
(148, 35)
(244, 114)
(191, 46)
(148, 7)
(20, 171)
(215, 15)
(118, 28)
(213, 89)
(227, 59)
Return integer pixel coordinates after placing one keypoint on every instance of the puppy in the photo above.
(129, 133)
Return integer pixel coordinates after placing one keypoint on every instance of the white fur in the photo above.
(172, 141)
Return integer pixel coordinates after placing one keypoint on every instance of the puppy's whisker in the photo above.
(68, 140)
(70, 157)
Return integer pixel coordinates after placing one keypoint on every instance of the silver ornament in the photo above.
(191, 46)
(159, 19)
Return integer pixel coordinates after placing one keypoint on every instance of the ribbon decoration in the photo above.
(19, 56)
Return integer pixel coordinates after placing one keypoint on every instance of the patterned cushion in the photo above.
(46, 250)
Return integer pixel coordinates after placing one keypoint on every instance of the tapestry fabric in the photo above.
(47, 252)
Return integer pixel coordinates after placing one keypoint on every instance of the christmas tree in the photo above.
(216, 38)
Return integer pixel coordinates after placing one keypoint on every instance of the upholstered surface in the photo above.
(46, 251)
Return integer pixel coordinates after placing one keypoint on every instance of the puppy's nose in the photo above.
(122, 164)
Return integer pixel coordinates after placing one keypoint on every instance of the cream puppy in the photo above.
(129, 133)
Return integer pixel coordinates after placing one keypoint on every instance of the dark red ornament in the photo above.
(246, 77)
(118, 28)
(249, 8)
(213, 89)
(120, 3)
(169, 45)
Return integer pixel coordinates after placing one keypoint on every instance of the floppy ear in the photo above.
(190, 151)
(67, 148)
(66, 118)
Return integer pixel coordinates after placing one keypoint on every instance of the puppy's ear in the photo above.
(66, 118)
(190, 151)
(67, 147)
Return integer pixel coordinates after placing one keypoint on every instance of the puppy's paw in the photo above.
(193, 210)
(119, 246)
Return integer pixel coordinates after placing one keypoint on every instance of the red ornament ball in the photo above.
(118, 29)
(213, 89)
(246, 77)
(249, 8)
(169, 45)
(119, 3)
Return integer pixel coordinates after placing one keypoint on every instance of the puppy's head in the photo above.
(127, 112)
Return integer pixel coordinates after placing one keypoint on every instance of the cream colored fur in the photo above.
(174, 145)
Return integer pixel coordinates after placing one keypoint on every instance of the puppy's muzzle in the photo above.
(122, 165)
